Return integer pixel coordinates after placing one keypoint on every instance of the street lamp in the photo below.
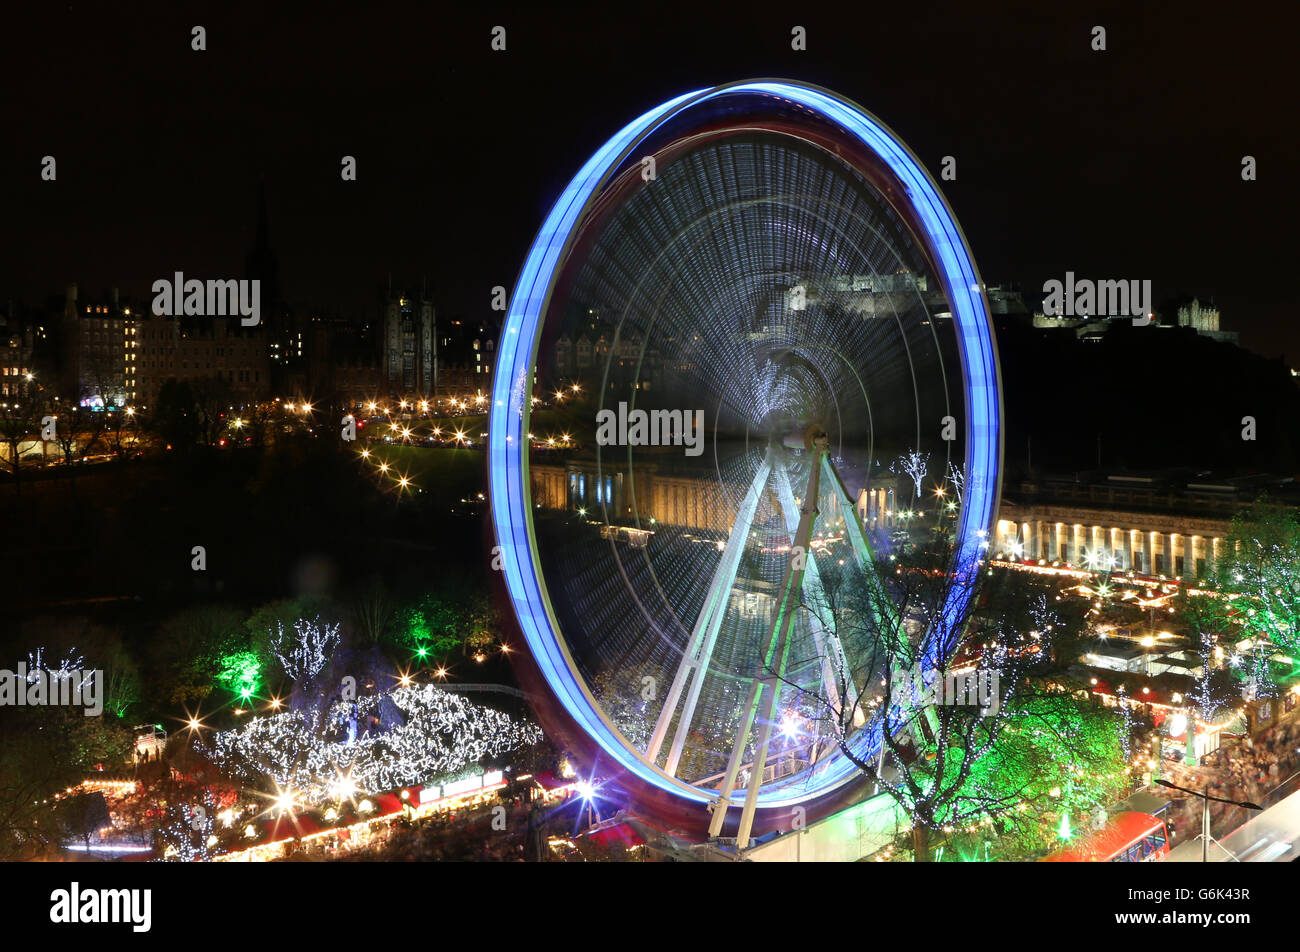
(1205, 814)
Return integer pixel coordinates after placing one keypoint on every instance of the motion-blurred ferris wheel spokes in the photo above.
(677, 572)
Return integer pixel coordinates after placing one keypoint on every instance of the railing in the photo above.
(1241, 816)
(787, 763)
(493, 688)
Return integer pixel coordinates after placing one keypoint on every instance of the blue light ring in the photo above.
(513, 522)
(530, 598)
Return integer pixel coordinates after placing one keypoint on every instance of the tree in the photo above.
(1057, 761)
(921, 658)
(81, 815)
(453, 615)
(263, 622)
(240, 673)
(175, 418)
(190, 648)
(1261, 574)
(47, 749)
(75, 643)
(122, 433)
(20, 424)
(373, 610)
(303, 652)
(187, 830)
(913, 465)
(79, 426)
(30, 775)
(625, 698)
(1205, 617)
(212, 401)
(259, 423)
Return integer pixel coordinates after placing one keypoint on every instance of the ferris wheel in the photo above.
(741, 313)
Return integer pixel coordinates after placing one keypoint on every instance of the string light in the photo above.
(304, 654)
(442, 732)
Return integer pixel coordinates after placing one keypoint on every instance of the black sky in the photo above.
(1118, 164)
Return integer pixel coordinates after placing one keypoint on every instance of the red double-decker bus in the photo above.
(1128, 837)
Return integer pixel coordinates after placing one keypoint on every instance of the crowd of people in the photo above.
(509, 829)
(1250, 771)
(493, 833)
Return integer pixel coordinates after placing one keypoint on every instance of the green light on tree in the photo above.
(1064, 831)
(1261, 570)
(240, 673)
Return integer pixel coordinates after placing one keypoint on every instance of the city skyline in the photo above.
(1123, 163)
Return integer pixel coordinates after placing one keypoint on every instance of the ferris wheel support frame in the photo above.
(824, 636)
(704, 635)
(771, 671)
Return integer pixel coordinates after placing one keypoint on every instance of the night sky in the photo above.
(1117, 164)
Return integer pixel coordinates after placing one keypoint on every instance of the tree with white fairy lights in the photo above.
(1205, 616)
(186, 833)
(1260, 573)
(305, 652)
(36, 662)
(946, 761)
(441, 733)
(957, 477)
(914, 465)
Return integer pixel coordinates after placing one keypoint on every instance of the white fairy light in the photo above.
(443, 733)
(304, 653)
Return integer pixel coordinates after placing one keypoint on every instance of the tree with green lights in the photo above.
(192, 649)
(449, 617)
(1059, 756)
(953, 761)
(1260, 570)
(240, 673)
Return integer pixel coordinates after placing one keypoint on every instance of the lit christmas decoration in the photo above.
(1207, 706)
(72, 663)
(958, 479)
(187, 833)
(1259, 681)
(442, 733)
(304, 653)
(240, 673)
(1126, 726)
(914, 465)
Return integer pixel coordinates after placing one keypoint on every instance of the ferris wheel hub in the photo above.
(814, 435)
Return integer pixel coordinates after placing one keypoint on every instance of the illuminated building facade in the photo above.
(214, 349)
(99, 352)
(1145, 525)
(410, 353)
(1135, 523)
(1204, 319)
(17, 343)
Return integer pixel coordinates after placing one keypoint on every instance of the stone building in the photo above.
(1149, 525)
